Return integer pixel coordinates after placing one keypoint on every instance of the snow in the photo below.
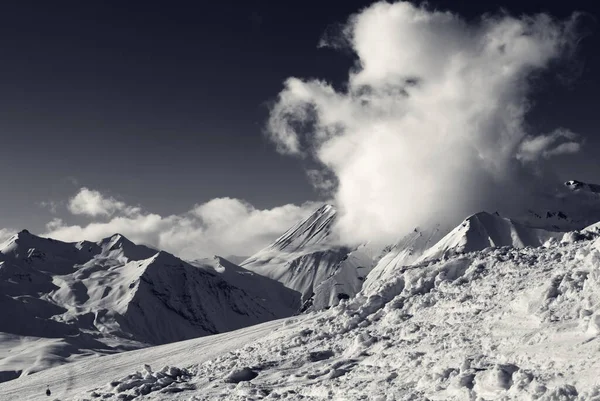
(514, 322)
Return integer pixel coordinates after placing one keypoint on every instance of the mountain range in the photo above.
(66, 301)
(62, 301)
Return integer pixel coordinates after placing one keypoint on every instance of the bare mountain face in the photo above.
(68, 300)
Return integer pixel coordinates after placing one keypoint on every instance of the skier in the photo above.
(48, 392)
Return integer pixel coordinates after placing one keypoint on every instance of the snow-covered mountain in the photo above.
(307, 259)
(579, 186)
(483, 230)
(65, 301)
(61, 301)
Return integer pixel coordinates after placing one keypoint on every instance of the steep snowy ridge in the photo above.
(120, 248)
(307, 259)
(313, 231)
(477, 232)
(46, 254)
(175, 301)
(78, 299)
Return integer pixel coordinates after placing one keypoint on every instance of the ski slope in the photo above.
(68, 380)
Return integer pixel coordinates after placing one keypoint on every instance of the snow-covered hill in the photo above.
(307, 259)
(502, 323)
(64, 301)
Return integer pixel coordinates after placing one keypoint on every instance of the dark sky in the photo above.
(163, 103)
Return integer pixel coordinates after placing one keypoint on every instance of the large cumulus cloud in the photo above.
(430, 126)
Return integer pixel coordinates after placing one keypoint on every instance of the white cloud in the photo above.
(92, 203)
(549, 145)
(52, 206)
(222, 226)
(430, 125)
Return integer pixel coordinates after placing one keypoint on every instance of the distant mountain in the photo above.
(307, 259)
(77, 299)
(579, 186)
(280, 300)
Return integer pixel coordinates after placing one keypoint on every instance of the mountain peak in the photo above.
(580, 186)
(313, 230)
(115, 239)
(118, 243)
(482, 230)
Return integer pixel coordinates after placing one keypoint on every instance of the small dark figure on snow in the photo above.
(48, 392)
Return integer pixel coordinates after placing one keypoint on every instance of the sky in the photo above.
(143, 106)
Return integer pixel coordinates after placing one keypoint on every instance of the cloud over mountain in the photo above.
(220, 226)
(430, 126)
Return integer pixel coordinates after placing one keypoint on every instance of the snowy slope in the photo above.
(280, 300)
(60, 302)
(307, 259)
(478, 325)
(68, 380)
(405, 252)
